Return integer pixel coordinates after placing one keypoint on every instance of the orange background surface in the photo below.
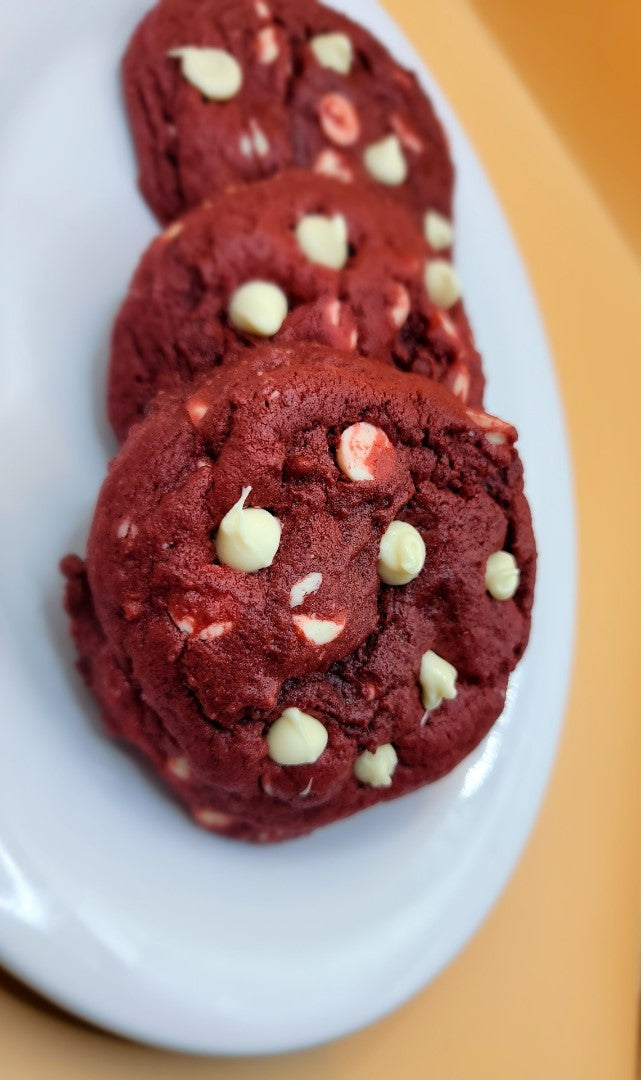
(583, 62)
(548, 986)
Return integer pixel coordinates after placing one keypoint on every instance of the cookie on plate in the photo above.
(307, 583)
(296, 257)
(222, 91)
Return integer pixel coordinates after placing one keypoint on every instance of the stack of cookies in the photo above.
(311, 566)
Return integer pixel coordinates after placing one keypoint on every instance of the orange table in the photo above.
(585, 71)
(548, 987)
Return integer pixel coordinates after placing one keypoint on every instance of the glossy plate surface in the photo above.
(111, 902)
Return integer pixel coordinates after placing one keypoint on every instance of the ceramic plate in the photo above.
(111, 902)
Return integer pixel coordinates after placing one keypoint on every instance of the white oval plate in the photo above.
(111, 902)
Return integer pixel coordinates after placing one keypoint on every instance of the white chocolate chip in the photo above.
(400, 308)
(444, 323)
(339, 119)
(407, 135)
(385, 161)
(333, 51)
(502, 575)
(334, 312)
(254, 143)
(378, 768)
(359, 448)
(442, 282)
(262, 9)
(401, 554)
(216, 73)
(267, 47)
(196, 408)
(259, 139)
(438, 680)
(125, 529)
(461, 384)
(185, 623)
(319, 631)
(215, 630)
(305, 587)
(296, 738)
(179, 766)
(497, 431)
(337, 313)
(248, 539)
(259, 307)
(330, 163)
(213, 819)
(439, 232)
(173, 230)
(324, 239)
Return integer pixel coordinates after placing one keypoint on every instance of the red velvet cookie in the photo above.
(307, 582)
(222, 91)
(350, 271)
